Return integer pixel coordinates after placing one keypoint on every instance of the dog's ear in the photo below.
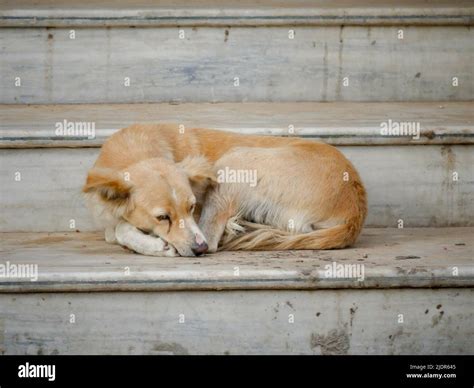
(111, 185)
(200, 173)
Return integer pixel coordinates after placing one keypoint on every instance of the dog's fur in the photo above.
(149, 178)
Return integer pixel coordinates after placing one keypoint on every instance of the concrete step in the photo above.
(91, 297)
(340, 123)
(391, 257)
(407, 179)
(340, 51)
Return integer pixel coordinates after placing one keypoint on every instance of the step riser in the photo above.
(271, 67)
(411, 183)
(325, 322)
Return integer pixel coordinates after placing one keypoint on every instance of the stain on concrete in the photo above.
(170, 347)
(429, 134)
(447, 152)
(449, 162)
(408, 257)
(226, 35)
(418, 75)
(401, 271)
(435, 319)
(276, 309)
(339, 64)
(352, 311)
(393, 338)
(411, 271)
(416, 270)
(334, 342)
(190, 72)
(48, 67)
(325, 73)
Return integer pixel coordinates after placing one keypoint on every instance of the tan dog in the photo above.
(256, 192)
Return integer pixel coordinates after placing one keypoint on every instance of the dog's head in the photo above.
(158, 197)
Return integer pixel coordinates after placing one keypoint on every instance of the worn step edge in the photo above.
(440, 278)
(334, 136)
(443, 123)
(83, 262)
(213, 13)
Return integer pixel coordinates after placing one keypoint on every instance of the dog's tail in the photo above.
(266, 238)
(263, 238)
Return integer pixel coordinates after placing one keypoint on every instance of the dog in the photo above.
(162, 191)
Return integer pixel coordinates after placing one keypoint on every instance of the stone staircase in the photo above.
(347, 73)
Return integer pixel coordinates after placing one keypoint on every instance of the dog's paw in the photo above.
(171, 251)
(155, 246)
(109, 235)
(159, 248)
(212, 248)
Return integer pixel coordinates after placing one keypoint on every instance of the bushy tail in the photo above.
(265, 238)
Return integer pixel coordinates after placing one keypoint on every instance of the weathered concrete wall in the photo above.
(203, 66)
(253, 322)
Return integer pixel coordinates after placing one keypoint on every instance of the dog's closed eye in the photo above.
(163, 217)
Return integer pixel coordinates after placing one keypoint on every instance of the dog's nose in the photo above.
(199, 249)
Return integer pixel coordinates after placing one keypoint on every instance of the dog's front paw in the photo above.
(212, 248)
(155, 246)
(171, 251)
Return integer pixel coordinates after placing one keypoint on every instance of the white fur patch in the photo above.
(110, 234)
(130, 237)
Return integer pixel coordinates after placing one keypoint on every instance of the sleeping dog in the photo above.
(162, 191)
